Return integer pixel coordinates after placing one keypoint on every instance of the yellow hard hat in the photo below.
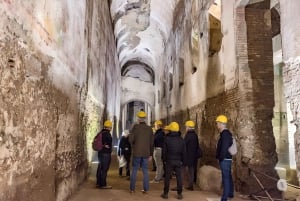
(141, 114)
(108, 124)
(190, 124)
(222, 119)
(158, 122)
(174, 126)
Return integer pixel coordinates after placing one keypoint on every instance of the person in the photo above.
(153, 161)
(104, 156)
(192, 146)
(125, 151)
(141, 140)
(174, 154)
(159, 137)
(224, 157)
(166, 132)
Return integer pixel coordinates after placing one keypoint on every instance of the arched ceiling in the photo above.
(141, 28)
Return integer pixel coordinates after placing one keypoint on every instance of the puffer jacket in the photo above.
(174, 148)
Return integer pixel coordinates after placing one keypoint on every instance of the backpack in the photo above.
(97, 142)
(233, 148)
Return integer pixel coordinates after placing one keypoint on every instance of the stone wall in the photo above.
(238, 83)
(56, 71)
(291, 52)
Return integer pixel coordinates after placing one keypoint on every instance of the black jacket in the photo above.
(192, 146)
(106, 140)
(159, 138)
(124, 146)
(225, 141)
(174, 148)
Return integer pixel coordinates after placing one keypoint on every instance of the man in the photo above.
(192, 146)
(125, 151)
(141, 139)
(159, 137)
(174, 154)
(224, 157)
(104, 156)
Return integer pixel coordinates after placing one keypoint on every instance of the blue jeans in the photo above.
(143, 163)
(227, 182)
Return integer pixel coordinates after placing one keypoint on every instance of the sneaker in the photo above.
(144, 192)
(164, 196)
(230, 197)
(132, 191)
(154, 181)
(179, 197)
(106, 187)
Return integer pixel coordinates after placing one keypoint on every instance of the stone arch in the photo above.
(148, 108)
(138, 69)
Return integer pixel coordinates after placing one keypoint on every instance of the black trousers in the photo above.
(173, 165)
(103, 166)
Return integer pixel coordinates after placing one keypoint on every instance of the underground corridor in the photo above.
(66, 67)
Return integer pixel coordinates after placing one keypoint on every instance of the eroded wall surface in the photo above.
(230, 82)
(55, 64)
(291, 56)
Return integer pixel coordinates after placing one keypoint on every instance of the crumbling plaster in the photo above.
(291, 57)
(54, 92)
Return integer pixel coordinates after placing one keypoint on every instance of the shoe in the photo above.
(190, 188)
(154, 181)
(144, 192)
(230, 197)
(164, 196)
(106, 187)
(179, 197)
(128, 178)
(174, 189)
(132, 191)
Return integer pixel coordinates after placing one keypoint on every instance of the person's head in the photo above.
(141, 115)
(190, 125)
(174, 126)
(158, 124)
(166, 130)
(125, 133)
(221, 122)
(107, 124)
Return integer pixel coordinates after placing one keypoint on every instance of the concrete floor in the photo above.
(120, 190)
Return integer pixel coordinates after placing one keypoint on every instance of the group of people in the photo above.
(172, 153)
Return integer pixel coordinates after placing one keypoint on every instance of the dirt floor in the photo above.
(120, 190)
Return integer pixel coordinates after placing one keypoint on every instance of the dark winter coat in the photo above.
(106, 140)
(124, 146)
(141, 140)
(159, 138)
(174, 148)
(192, 146)
(225, 141)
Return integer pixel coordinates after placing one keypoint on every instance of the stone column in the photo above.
(290, 29)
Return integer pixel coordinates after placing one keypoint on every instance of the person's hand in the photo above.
(150, 158)
(107, 146)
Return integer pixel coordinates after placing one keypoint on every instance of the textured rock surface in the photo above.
(51, 70)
